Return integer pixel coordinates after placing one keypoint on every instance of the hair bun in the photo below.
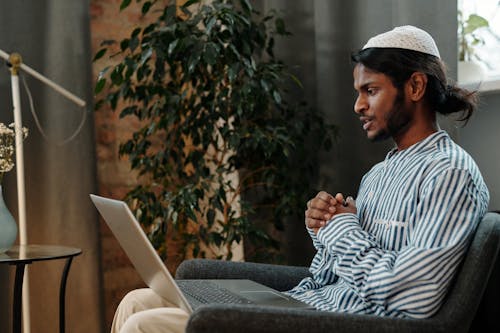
(456, 99)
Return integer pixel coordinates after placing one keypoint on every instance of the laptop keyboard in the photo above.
(207, 292)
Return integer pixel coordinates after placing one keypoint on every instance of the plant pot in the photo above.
(8, 226)
(470, 72)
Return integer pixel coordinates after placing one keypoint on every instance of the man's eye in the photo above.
(370, 91)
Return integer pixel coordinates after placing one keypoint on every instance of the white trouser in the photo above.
(142, 310)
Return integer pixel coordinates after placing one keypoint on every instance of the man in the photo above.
(393, 251)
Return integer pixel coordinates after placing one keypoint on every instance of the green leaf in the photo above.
(100, 54)
(124, 44)
(146, 55)
(210, 24)
(133, 43)
(296, 80)
(103, 72)
(232, 71)
(193, 61)
(99, 85)
(130, 110)
(189, 3)
(277, 97)
(98, 104)
(475, 22)
(270, 46)
(210, 217)
(264, 85)
(116, 76)
(146, 7)
(136, 32)
(170, 13)
(225, 35)
(107, 42)
(124, 4)
(280, 26)
(247, 7)
(149, 29)
(112, 98)
(211, 54)
(235, 51)
(171, 46)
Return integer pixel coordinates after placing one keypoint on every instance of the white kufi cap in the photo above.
(405, 37)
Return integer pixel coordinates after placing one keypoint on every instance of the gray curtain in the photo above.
(480, 138)
(325, 32)
(53, 38)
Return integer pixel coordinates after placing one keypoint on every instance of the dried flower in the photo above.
(7, 146)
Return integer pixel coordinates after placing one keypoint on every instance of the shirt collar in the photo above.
(422, 144)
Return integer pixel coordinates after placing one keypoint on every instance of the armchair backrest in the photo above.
(475, 285)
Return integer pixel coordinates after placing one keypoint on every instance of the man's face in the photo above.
(380, 105)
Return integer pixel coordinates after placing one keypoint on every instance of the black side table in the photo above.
(23, 255)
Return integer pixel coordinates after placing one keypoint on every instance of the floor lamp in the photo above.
(15, 62)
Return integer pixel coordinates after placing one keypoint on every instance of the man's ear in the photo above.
(416, 85)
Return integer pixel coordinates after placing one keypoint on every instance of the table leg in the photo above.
(62, 295)
(18, 299)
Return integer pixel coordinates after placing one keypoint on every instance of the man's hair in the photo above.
(400, 64)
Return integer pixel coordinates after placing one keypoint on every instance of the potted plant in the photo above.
(221, 140)
(469, 67)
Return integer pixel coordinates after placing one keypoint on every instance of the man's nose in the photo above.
(360, 105)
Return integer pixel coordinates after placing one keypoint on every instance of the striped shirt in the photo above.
(416, 213)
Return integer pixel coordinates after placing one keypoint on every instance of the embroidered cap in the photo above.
(405, 37)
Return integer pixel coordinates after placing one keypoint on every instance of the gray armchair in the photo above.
(472, 302)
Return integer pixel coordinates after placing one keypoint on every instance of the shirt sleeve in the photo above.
(316, 243)
(414, 280)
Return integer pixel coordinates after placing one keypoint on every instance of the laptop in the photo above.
(186, 294)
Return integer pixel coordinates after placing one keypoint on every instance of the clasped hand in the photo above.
(324, 206)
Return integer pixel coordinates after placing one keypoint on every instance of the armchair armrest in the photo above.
(275, 276)
(252, 319)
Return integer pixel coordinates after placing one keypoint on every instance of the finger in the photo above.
(324, 202)
(318, 214)
(325, 196)
(319, 204)
(312, 220)
(339, 197)
(314, 223)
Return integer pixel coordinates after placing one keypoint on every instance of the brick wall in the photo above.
(114, 176)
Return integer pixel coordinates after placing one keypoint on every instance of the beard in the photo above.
(397, 120)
